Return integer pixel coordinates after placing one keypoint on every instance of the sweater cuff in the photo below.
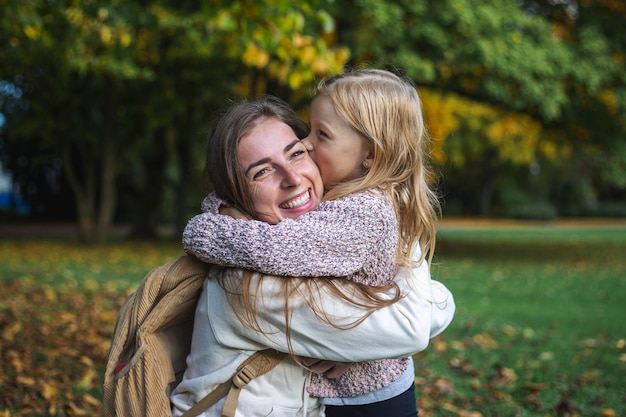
(211, 204)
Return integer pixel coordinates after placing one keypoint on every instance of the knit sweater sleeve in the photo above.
(337, 239)
(212, 203)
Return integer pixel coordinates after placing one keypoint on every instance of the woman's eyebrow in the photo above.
(266, 160)
(257, 163)
(291, 145)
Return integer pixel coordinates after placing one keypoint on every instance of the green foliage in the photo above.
(123, 88)
(489, 50)
(118, 90)
(507, 83)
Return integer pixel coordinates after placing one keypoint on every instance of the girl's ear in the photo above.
(369, 160)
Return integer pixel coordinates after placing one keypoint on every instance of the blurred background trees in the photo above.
(105, 105)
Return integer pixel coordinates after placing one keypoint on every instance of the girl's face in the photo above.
(283, 179)
(337, 149)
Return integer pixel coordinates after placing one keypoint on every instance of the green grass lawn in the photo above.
(539, 328)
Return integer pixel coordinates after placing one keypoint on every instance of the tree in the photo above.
(115, 90)
(523, 83)
(106, 82)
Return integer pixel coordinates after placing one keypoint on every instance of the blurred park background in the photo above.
(104, 111)
(105, 105)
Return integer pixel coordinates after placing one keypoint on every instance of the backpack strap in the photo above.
(256, 365)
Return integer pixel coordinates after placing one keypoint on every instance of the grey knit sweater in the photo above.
(355, 237)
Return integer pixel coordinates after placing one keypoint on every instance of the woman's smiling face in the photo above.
(284, 181)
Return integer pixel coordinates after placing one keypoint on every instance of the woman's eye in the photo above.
(260, 173)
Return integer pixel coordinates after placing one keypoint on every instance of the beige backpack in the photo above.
(152, 339)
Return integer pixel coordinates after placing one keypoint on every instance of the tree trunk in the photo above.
(183, 188)
(149, 197)
(84, 194)
(486, 198)
(92, 174)
(184, 150)
(108, 196)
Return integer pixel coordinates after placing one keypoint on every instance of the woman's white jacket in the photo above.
(221, 343)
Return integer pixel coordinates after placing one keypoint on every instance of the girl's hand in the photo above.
(329, 369)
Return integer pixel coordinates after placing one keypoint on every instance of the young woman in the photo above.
(368, 138)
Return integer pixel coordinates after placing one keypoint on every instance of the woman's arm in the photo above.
(338, 239)
(400, 330)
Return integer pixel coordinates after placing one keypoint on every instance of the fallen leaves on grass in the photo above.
(484, 385)
(53, 345)
(54, 342)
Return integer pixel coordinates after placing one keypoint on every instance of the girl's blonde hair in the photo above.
(385, 110)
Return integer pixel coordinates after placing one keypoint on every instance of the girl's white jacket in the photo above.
(221, 343)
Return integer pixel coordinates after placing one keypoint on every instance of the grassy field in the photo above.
(539, 329)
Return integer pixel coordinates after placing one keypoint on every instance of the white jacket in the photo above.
(221, 343)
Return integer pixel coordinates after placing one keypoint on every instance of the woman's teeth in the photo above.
(297, 202)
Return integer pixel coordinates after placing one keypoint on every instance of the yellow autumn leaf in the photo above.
(295, 80)
(48, 391)
(49, 293)
(76, 410)
(299, 41)
(16, 361)
(103, 13)
(320, 65)
(508, 330)
(87, 361)
(457, 345)
(87, 380)
(307, 54)
(9, 332)
(25, 380)
(610, 100)
(546, 356)
(91, 400)
(255, 57)
(459, 411)
(125, 39)
(105, 35)
(31, 32)
(439, 345)
(485, 341)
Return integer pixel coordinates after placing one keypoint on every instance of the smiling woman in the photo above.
(236, 170)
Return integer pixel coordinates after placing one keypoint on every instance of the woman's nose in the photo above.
(291, 177)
